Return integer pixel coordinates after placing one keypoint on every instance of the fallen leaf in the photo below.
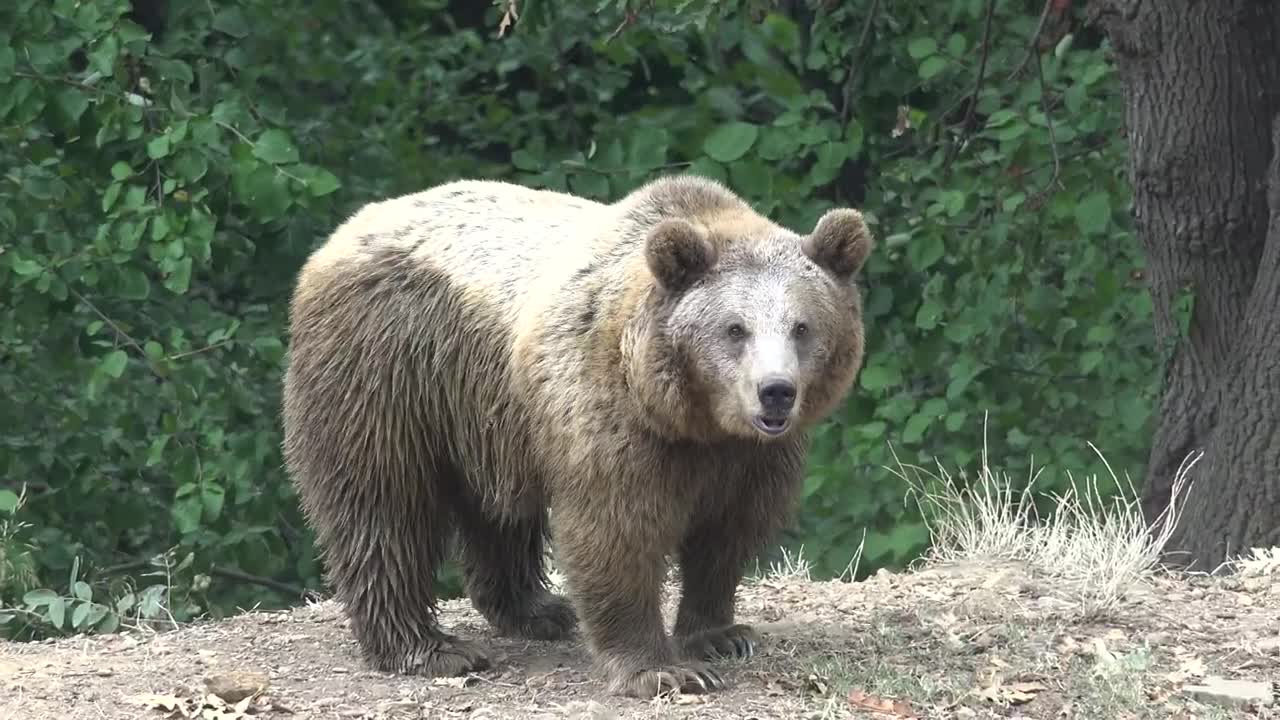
(880, 707)
(1016, 693)
(156, 701)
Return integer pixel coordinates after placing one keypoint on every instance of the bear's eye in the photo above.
(801, 329)
(736, 331)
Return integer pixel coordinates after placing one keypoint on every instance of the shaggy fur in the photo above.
(464, 359)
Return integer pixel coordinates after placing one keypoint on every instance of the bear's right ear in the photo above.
(678, 254)
(840, 242)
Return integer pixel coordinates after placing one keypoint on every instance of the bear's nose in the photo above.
(777, 395)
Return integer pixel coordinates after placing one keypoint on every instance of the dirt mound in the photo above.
(965, 640)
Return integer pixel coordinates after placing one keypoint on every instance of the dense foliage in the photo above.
(160, 190)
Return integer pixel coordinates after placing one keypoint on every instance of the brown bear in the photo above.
(467, 358)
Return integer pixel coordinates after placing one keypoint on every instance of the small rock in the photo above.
(1231, 693)
(233, 687)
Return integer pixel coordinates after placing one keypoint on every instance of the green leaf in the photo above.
(269, 348)
(929, 314)
(932, 65)
(522, 159)
(103, 57)
(39, 598)
(26, 268)
(73, 102)
(121, 171)
(134, 285)
(156, 452)
(179, 280)
(57, 612)
(1100, 334)
(959, 332)
(212, 497)
(1093, 213)
(8, 501)
(113, 363)
(158, 147)
(925, 250)
(706, 167)
(7, 60)
(275, 147)
(915, 428)
(921, 47)
(1090, 360)
(191, 165)
(79, 615)
(647, 147)
(730, 141)
(95, 614)
(877, 377)
(82, 590)
(231, 21)
(321, 182)
(111, 195)
(186, 514)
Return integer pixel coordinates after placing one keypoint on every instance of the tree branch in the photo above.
(281, 587)
(846, 103)
(1032, 49)
(965, 126)
(1044, 194)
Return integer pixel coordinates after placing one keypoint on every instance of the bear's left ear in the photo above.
(840, 242)
(678, 254)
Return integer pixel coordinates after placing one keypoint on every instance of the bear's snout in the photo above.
(777, 396)
(777, 399)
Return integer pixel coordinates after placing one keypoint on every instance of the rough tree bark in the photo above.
(1202, 92)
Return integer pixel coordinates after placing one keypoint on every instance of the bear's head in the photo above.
(753, 331)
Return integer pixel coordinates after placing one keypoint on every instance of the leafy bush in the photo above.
(161, 189)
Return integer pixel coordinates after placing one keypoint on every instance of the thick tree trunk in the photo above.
(1240, 506)
(1202, 88)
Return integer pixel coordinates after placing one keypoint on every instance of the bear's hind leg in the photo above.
(505, 579)
(383, 542)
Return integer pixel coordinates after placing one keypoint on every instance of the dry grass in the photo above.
(1100, 546)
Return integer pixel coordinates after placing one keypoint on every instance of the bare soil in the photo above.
(948, 641)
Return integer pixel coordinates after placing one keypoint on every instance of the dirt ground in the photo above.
(946, 641)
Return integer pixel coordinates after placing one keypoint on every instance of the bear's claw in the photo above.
(685, 678)
(445, 657)
(734, 641)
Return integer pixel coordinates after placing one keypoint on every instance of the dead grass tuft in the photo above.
(1099, 546)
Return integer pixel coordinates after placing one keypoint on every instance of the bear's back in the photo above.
(494, 241)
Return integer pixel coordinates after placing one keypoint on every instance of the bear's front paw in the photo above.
(734, 641)
(692, 677)
(445, 657)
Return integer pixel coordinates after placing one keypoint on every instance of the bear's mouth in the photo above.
(771, 426)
